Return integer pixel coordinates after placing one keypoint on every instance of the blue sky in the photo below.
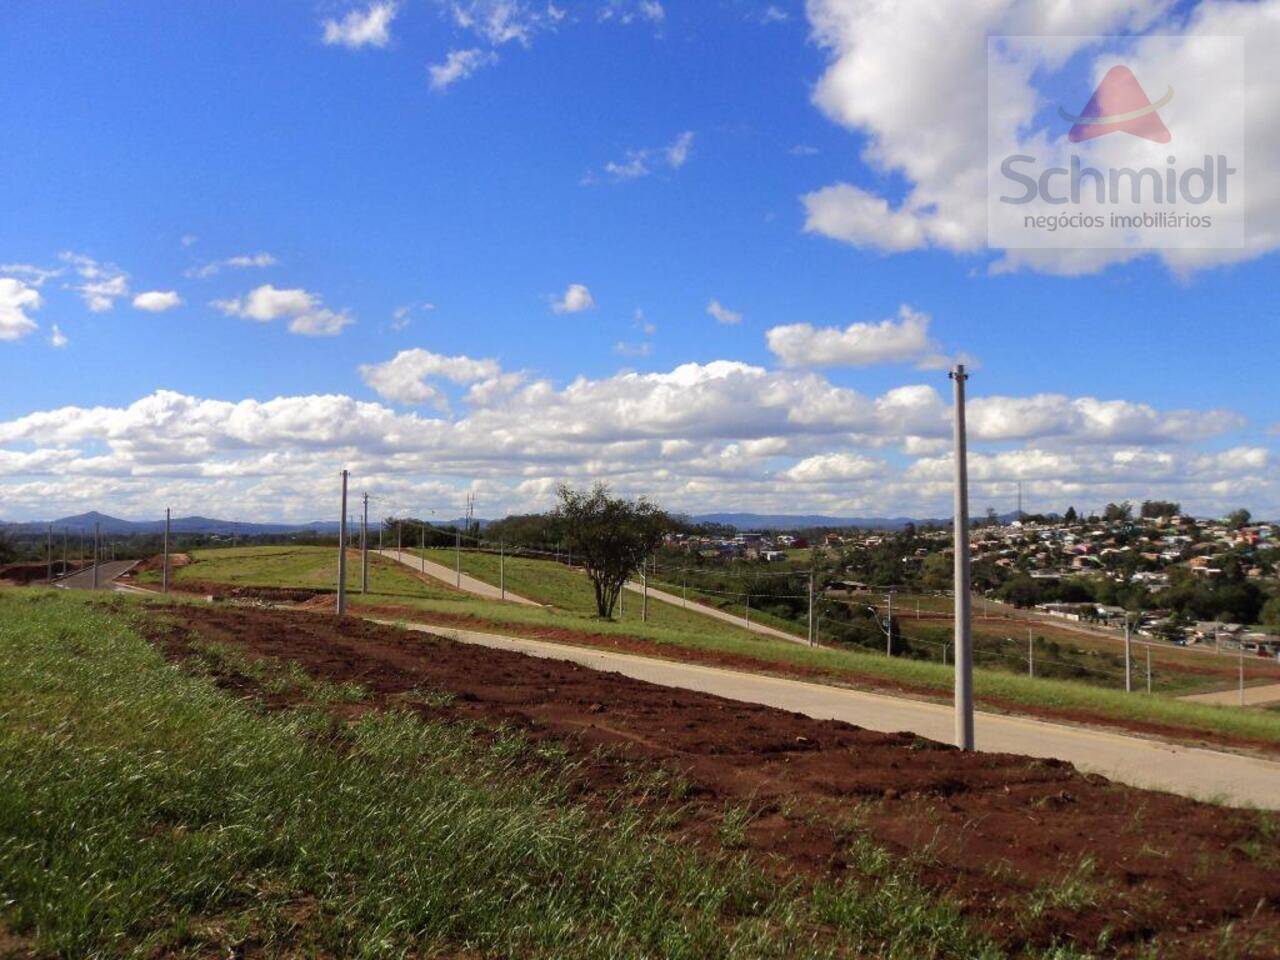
(158, 141)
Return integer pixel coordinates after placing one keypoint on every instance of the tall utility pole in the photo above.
(1148, 668)
(1031, 654)
(423, 558)
(1240, 642)
(164, 572)
(399, 538)
(97, 550)
(342, 550)
(457, 557)
(64, 551)
(811, 606)
(502, 569)
(888, 628)
(644, 603)
(364, 547)
(1128, 655)
(964, 625)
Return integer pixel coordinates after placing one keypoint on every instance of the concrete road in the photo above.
(107, 572)
(1253, 696)
(712, 612)
(1191, 771)
(445, 574)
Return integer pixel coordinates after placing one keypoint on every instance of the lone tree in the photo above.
(612, 536)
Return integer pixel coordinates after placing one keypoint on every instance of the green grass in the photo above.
(144, 812)
(679, 629)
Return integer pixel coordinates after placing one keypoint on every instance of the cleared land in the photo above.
(266, 783)
(672, 633)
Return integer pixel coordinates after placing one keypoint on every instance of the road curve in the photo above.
(1190, 771)
(108, 571)
(468, 584)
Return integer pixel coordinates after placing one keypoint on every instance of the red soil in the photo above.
(991, 831)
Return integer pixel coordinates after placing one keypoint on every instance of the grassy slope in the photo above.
(143, 811)
(669, 625)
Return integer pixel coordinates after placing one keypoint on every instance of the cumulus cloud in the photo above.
(695, 436)
(576, 299)
(101, 284)
(307, 316)
(57, 338)
(404, 378)
(902, 340)
(368, 27)
(157, 301)
(458, 65)
(723, 314)
(931, 133)
(16, 299)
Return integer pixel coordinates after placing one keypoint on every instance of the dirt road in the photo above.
(467, 583)
(1190, 771)
(1253, 696)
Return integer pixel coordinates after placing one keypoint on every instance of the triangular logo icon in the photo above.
(1119, 103)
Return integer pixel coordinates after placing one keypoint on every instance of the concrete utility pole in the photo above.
(644, 603)
(64, 551)
(1031, 654)
(342, 550)
(502, 569)
(1240, 644)
(399, 538)
(1128, 655)
(811, 606)
(1148, 668)
(964, 637)
(97, 551)
(364, 547)
(748, 611)
(457, 557)
(888, 628)
(423, 558)
(164, 570)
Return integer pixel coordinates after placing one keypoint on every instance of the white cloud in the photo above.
(57, 338)
(640, 163)
(157, 301)
(678, 152)
(360, 28)
(625, 349)
(458, 65)
(723, 314)
(902, 340)
(32, 275)
(16, 298)
(930, 133)
(576, 299)
(695, 437)
(102, 284)
(773, 14)
(308, 316)
(652, 10)
(835, 467)
(241, 261)
(404, 377)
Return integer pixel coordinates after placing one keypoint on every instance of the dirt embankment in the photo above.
(1032, 850)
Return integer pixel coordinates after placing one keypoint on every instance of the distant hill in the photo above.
(789, 521)
(114, 526)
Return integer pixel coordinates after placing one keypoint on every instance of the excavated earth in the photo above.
(1032, 851)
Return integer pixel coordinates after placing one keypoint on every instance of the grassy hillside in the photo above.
(145, 812)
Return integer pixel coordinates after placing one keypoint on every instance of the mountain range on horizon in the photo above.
(116, 526)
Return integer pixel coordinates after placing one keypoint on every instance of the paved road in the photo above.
(1253, 696)
(1190, 771)
(444, 574)
(107, 572)
(736, 620)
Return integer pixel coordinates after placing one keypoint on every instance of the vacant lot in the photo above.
(288, 783)
(398, 592)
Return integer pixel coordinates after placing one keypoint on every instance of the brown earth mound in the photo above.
(1031, 850)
